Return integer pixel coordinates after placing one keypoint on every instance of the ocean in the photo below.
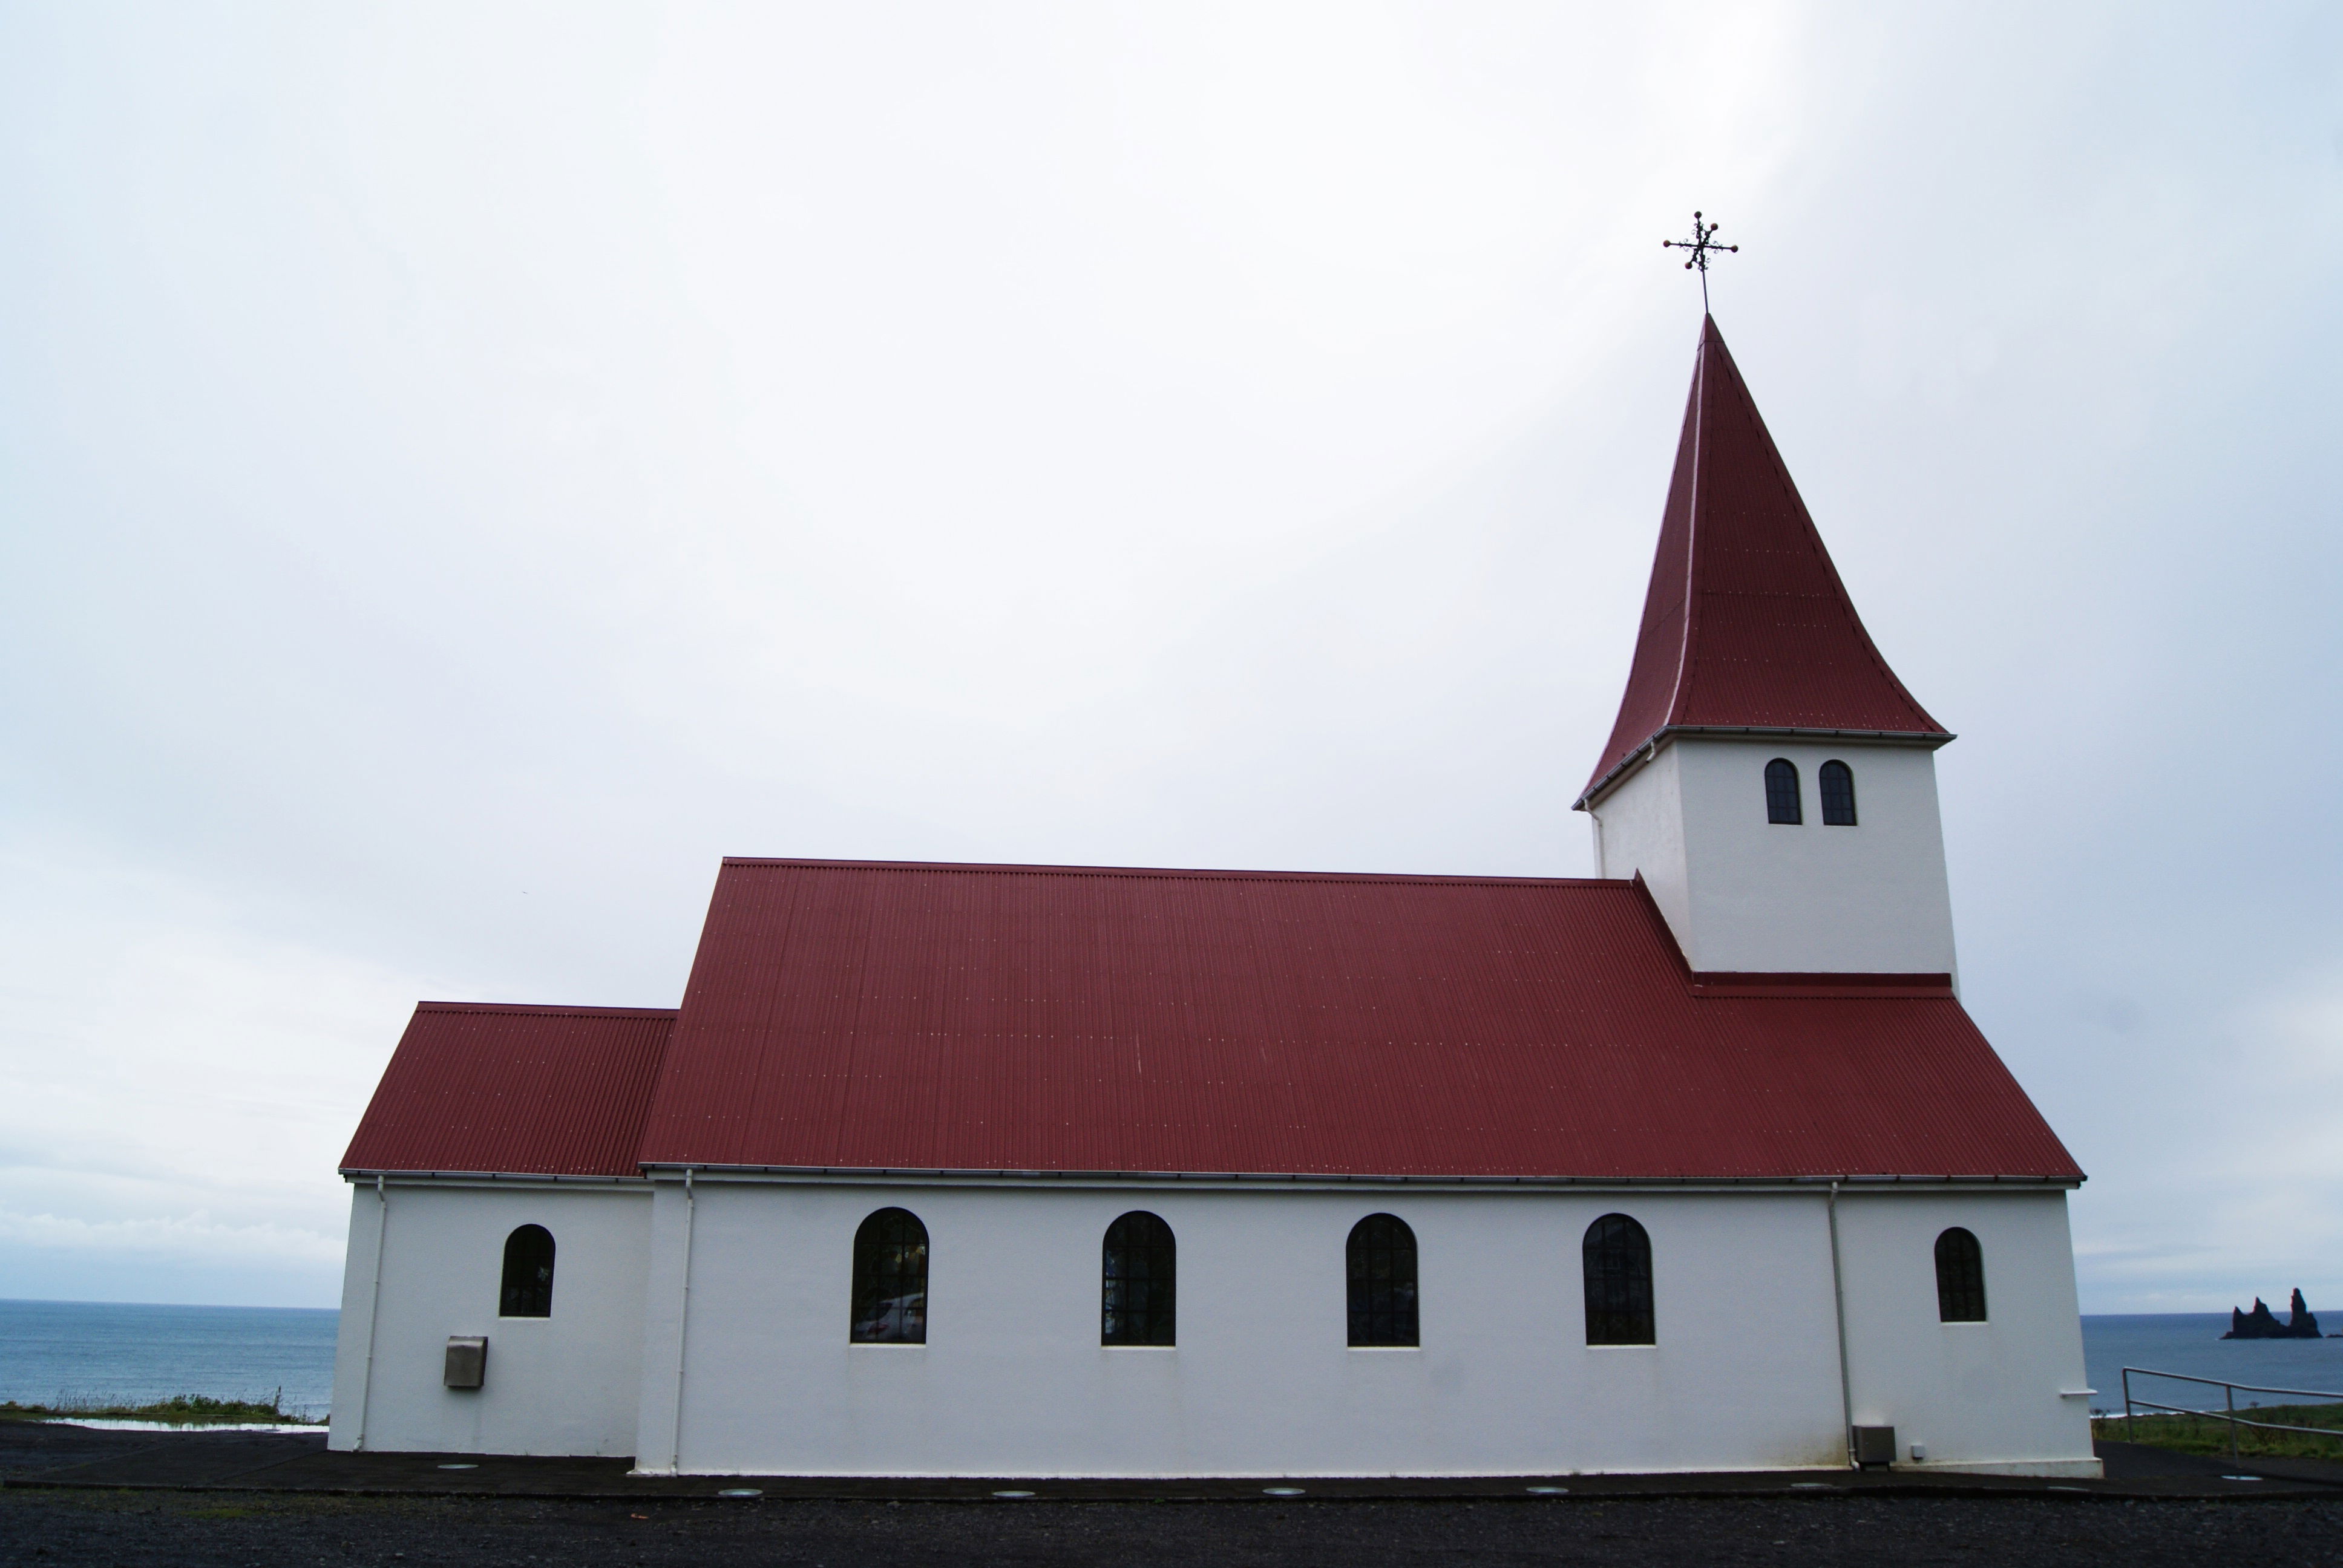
(2191, 1343)
(92, 1351)
(108, 1352)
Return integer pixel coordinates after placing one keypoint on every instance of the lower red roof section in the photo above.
(516, 1090)
(1049, 1019)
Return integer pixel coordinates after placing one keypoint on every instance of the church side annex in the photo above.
(1035, 1170)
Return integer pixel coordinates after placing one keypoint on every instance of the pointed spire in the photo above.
(1745, 623)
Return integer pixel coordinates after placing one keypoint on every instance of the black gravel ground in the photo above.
(234, 1530)
(266, 1529)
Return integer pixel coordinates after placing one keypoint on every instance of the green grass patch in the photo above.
(2210, 1433)
(179, 1409)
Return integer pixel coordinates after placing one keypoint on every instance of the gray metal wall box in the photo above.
(467, 1361)
(1873, 1444)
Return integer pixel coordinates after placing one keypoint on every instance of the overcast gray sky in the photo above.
(465, 468)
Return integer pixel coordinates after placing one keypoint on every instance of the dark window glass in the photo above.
(891, 1279)
(1782, 792)
(528, 1273)
(1135, 1299)
(1618, 1258)
(1382, 1281)
(1960, 1278)
(1838, 795)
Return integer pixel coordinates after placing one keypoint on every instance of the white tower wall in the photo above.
(1742, 894)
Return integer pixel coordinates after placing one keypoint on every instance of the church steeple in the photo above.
(1746, 626)
(1768, 776)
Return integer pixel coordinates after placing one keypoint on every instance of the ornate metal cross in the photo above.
(1703, 246)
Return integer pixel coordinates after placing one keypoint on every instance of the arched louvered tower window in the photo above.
(1960, 1278)
(528, 1274)
(1618, 1259)
(1838, 795)
(1135, 1295)
(1382, 1281)
(891, 1279)
(1782, 793)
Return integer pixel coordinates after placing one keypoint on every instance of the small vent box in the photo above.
(1873, 1444)
(467, 1361)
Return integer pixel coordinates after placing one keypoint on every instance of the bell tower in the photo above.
(1768, 776)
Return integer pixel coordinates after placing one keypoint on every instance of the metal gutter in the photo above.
(683, 1327)
(674, 1169)
(1251, 1180)
(509, 1178)
(1838, 1305)
(374, 1309)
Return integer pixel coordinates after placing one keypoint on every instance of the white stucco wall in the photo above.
(2004, 1393)
(1639, 827)
(1013, 1382)
(561, 1384)
(1745, 894)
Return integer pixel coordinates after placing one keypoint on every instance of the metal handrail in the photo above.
(2230, 1390)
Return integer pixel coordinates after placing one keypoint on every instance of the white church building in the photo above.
(1054, 1171)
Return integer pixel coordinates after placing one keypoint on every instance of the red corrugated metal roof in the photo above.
(518, 1090)
(1053, 1019)
(1745, 622)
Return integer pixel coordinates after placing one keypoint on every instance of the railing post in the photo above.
(2231, 1389)
(2128, 1415)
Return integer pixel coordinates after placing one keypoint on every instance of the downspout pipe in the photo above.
(1838, 1305)
(682, 1328)
(374, 1307)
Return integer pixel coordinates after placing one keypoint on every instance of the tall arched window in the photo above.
(1782, 793)
(891, 1279)
(528, 1274)
(1135, 1300)
(1382, 1281)
(1618, 1259)
(1960, 1278)
(1838, 795)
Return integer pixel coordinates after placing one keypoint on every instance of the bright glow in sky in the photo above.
(464, 470)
